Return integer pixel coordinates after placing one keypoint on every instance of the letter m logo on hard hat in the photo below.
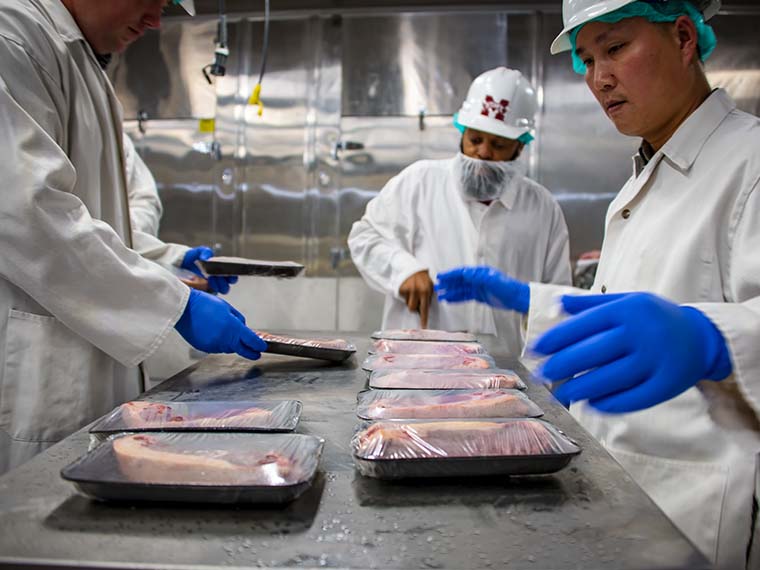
(493, 109)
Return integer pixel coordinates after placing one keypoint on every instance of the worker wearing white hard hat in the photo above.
(80, 309)
(474, 208)
(661, 361)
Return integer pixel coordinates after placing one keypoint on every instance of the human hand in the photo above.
(631, 351)
(213, 325)
(486, 285)
(417, 291)
(216, 283)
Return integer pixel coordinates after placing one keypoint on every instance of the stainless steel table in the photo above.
(590, 516)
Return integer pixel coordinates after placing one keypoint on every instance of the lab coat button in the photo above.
(604, 288)
(626, 214)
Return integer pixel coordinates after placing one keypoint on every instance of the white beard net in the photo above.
(484, 180)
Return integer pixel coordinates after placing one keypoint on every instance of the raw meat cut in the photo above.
(417, 440)
(427, 361)
(446, 379)
(427, 347)
(143, 414)
(410, 404)
(424, 334)
(150, 459)
(337, 344)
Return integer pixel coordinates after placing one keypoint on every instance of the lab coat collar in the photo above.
(63, 21)
(686, 143)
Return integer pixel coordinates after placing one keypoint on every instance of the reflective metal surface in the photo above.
(349, 102)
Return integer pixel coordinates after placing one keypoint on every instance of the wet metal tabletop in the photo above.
(591, 515)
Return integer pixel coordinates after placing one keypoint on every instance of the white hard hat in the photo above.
(188, 5)
(578, 12)
(500, 102)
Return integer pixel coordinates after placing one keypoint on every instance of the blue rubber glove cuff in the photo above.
(717, 357)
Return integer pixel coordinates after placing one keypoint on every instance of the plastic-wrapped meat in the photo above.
(411, 404)
(326, 349)
(445, 379)
(427, 361)
(154, 459)
(154, 415)
(424, 334)
(448, 439)
(426, 347)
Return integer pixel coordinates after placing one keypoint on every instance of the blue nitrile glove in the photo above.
(213, 325)
(484, 284)
(630, 351)
(217, 283)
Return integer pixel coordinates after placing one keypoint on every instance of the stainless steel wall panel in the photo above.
(398, 65)
(161, 73)
(735, 63)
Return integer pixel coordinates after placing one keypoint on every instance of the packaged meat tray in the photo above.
(143, 415)
(336, 350)
(221, 265)
(460, 448)
(426, 347)
(445, 379)
(424, 335)
(437, 404)
(198, 467)
(427, 361)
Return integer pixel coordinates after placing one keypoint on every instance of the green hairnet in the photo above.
(654, 11)
(524, 138)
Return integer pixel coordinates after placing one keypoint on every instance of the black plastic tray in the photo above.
(307, 348)
(402, 468)
(286, 415)
(242, 266)
(98, 475)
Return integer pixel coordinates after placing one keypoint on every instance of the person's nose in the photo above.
(484, 151)
(603, 77)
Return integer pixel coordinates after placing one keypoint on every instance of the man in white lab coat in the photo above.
(474, 208)
(668, 379)
(79, 309)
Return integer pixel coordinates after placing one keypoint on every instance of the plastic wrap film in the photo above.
(336, 350)
(202, 467)
(424, 334)
(426, 347)
(427, 361)
(445, 379)
(242, 266)
(417, 404)
(143, 415)
(409, 448)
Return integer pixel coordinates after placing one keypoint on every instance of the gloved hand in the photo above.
(417, 291)
(217, 283)
(484, 284)
(213, 325)
(630, 351)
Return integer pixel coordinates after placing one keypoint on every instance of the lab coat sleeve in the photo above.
(557, 264)
(73, 265)
(738, 319)
(145, 210)
(381, 243)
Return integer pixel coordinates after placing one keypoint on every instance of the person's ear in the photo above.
(518, 151)
(688, 40)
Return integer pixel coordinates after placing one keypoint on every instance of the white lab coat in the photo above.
(421, 221)
(691, 233)
(79, 310)
(145, 210)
